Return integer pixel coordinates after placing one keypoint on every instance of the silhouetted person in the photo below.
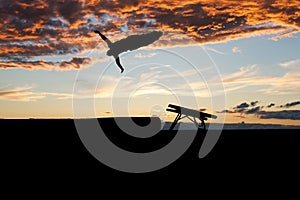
(128, 44)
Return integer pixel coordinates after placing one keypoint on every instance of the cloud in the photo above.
(242, 105)
(140, 55)
(73, 63)
(59, 96)
(253, 110)
(248, 76)
(26, 94)
(287, 83)
(293, 64)
(284, 114)
(245, 109)
(236, 50)
(32, 29)
(23, 93)
(254, 103)
(227, 111)
(287, 33)
(244, 75)
(240, 116)
(215, 50)
(288, 105)
(157, 80)
(270, 105)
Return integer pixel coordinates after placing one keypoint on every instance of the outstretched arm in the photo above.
(119, 64)
(104, 38)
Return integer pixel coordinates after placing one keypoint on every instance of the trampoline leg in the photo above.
(175, 122)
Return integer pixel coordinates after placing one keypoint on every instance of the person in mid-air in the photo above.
(128, 44)
(112, 50)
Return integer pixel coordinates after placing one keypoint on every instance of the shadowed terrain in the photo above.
(35, 145)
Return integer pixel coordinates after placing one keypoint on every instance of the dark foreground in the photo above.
(52, 149)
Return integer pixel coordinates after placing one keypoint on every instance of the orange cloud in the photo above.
(73, 64)
(43, 28)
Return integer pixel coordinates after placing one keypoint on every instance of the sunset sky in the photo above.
(48, 49)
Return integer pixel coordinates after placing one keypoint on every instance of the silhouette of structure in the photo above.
(130, 43)
(190, 114)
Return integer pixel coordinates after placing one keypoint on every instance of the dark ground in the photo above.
(51, 150)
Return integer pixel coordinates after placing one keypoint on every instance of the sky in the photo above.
(234, 58)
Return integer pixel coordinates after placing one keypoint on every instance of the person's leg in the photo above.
(119, 64)
(109, 43)
(102, 36)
